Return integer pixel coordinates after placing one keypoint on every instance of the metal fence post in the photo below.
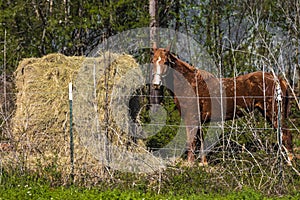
(71, 132)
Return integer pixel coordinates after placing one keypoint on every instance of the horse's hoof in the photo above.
(203, 164)
(290, 159)
(186, 164)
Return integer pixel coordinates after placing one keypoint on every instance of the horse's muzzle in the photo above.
(156, 82)
(156, 86)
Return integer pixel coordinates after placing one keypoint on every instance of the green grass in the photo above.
(37, 191)
(189, 183)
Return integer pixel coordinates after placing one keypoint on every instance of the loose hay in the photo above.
(41, 121)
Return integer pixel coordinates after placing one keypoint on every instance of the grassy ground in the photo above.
(189, 183)
(45, 191)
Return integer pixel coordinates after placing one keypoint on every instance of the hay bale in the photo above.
(41, 121)
(108, 135)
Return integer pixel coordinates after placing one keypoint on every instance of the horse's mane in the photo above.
(204, 74)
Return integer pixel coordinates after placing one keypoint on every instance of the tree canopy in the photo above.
(238, 34)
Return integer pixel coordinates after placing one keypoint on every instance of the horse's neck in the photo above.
(191, 73)
(183, 67)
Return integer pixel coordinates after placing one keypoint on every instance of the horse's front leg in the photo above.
(191, 143)
(202, 149)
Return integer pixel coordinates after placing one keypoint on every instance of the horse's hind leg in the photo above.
(288, 142)
(286, 134)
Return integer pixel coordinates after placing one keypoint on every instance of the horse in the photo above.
(199, 97)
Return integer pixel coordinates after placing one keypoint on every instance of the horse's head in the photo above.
(160, 61)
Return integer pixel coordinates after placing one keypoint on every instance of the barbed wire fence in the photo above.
(245, 155)
(254, 156)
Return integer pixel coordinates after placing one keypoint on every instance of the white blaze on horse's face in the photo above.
(157, 73)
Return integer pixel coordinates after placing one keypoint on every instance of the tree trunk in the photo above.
(153, 19)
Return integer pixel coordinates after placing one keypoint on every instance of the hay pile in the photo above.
(41, 121)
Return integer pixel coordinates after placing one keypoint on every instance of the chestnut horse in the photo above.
(201, 97)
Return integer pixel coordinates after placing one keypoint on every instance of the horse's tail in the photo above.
(285, 94)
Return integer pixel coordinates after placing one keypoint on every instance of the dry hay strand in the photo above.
(41, 120)
(7, 99)
(6, 91)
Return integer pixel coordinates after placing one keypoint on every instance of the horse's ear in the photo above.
(154, 46)
(169, 47)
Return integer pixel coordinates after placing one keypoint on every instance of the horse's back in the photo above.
(267, 79)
